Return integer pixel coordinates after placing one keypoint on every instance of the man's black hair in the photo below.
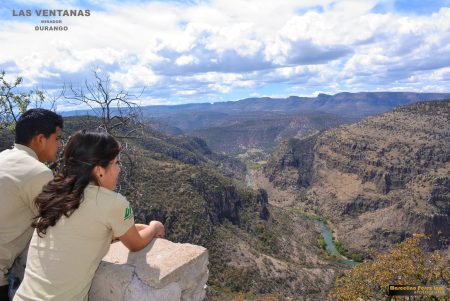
(34, 122)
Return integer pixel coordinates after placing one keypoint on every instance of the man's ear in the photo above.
(40, 138)
(37, 142)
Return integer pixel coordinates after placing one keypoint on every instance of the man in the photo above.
(22, 176)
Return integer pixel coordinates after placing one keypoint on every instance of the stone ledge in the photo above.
(162, 271)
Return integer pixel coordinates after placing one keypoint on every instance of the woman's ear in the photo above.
(98, 172)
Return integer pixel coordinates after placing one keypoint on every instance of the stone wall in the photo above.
(162, 271)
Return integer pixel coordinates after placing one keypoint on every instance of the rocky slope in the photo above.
(379, 180)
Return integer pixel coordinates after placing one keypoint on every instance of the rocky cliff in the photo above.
(291, 163)
(378, 180)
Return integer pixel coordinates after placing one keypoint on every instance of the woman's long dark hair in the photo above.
(64, 193)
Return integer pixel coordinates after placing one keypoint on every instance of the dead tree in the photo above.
(118, 114)
(117, 111)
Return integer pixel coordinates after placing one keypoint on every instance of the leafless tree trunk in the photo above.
(118, 114)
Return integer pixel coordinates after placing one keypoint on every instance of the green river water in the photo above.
(330, 247)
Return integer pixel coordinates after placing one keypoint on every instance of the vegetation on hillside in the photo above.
(407, 263)
(344, 251)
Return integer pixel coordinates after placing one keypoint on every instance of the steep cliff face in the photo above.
(379, 180)
(291, 163)
(226, 202)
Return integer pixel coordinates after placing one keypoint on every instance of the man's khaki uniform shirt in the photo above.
(62, 263)
(22, 177)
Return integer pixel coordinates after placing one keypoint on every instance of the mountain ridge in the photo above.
(379, 98)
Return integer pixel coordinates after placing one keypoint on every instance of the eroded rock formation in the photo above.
(379, 180)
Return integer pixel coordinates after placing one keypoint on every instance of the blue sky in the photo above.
(209, 51)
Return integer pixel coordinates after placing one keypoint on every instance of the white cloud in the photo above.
(136, 76)
(221, 46)
(186, 60)
(227, 78)
(239, 37)
(219, 88)
(186, 92)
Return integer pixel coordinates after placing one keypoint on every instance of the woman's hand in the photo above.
(158, 229)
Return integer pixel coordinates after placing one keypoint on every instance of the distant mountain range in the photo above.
(345, 103)
(352, 104)
(235, 126)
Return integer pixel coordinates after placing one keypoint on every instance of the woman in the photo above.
(79, 213)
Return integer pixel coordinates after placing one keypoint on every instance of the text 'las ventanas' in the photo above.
(51, 13)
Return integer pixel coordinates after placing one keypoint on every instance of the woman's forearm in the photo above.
(140, 235)
(139, 227)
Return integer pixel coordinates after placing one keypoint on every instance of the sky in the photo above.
(208, 51)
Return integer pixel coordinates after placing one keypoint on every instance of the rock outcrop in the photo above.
(161, 271)
(291, 163)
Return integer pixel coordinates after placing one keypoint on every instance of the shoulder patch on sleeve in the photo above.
(128, 212)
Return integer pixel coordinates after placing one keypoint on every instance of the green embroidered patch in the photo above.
(128, 212)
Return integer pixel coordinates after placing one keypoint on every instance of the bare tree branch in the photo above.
(117, 110)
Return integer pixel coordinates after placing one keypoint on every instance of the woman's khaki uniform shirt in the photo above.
(62, 264)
